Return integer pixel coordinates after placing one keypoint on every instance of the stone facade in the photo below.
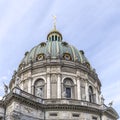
(55, 81)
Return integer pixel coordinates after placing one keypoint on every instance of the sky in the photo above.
(89, 25)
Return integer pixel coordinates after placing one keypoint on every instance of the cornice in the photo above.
(1, 103)
(62, 63)
(56, 106)
(41, 105)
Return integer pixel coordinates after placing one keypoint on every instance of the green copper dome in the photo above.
(54, 48)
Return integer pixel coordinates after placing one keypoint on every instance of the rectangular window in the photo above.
(94, 118)
(75, 115)
(53, 114)
(52, 38)
(68, 92)
(56, 37)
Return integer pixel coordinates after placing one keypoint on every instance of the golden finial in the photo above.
(54, 21)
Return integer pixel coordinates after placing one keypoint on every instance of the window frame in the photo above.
(68, 84)
(41, 86)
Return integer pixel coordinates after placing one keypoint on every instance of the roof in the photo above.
(54, 48)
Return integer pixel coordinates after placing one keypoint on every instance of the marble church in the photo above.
(55, 81)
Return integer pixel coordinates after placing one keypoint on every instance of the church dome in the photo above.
(55, 48)
(55, 81)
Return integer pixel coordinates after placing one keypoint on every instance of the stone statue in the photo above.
(102, 99)
(5, 89)
(110, 104)
(39, 92)
(17, 81)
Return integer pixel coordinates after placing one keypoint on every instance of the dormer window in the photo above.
(43, 44)
(40, 57)
(67, 56)
(64, 43)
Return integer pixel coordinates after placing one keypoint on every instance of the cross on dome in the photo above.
(54, 35)
(54, 21)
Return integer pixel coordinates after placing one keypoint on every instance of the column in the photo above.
(48, 86)
(75, 92)
(30, 85)
(86, 90)
(78, 89)
(103, 117)
(59, 87)
(22, 85)
(96, 95)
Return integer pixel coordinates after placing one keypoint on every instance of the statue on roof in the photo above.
(5, 89)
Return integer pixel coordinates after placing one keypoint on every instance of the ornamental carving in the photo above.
(83, 75)
(54, 78)
(17, 107)
(28, 110)
(55, 70)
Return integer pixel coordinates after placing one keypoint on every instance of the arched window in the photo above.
(55, 37)
(68, 87)
(91, 95)
(52, 37)
(39, 88)
(58, 38)
(49, 38)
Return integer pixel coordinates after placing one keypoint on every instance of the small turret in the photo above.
(54, 35)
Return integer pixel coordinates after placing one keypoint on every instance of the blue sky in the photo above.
(90, 25)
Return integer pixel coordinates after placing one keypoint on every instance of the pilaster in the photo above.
(96, 96)
(86, 90)
(59, 86)
(48, 86)
(30, 85)
(78, 88)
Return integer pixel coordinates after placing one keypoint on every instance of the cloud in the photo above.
(1, 89)
(90, 25)
(111, 92)
(3, 78)
(12, 15)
